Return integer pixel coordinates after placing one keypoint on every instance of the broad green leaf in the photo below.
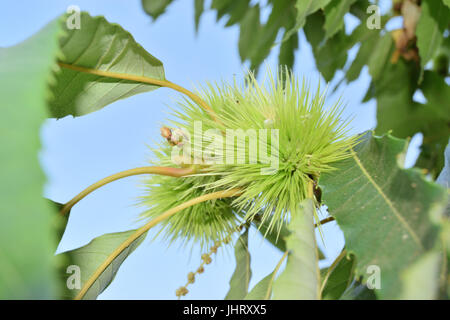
(62, 260)
(263, 289)
(301, 278)
(278, 18)
(396, 109)
(363, 56)
(339, 277)
(237, 11)
(331, 55)
(388, 214)
(381, 55)
(398, 112)
(359, 9)
(104, 46)
(155, 8)
(286, 56)
(304, 8)
(241, 277)
(199, 7)
(437, 92)
(444, 176)
(445, 281)
(27, 243)
(334, 16)
(314, 29)
(222, 7)
(86, 260)
(234, 9)
(249, 30)
(275, 237)
(358, 291)
(435, 119)
(447, 3)
(430, 28)
(420, 281)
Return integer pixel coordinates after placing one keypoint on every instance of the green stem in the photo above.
(166, 171)
(142, 79)
(274, 273)
(331, 268)
(139, 232)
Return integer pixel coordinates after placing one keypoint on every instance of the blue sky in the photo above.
(78, 152)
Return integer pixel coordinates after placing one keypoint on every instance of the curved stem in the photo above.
(142, 79)
(331, 268)
(274, 273)
(323, 221)
(166, 171)
(139, 232)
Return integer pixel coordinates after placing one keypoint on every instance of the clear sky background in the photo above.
(78, 152)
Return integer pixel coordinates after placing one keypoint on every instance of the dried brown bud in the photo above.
(191, 277)
(166, 133)
(205, 256)
(181, 291)
(200, 269)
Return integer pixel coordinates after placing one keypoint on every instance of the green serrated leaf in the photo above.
(445, 274)
(86, 260)
(269, 31)
(359, 9)
(331, 55)
(249, 30)
(303, 9)
(104, 46)
(444, 177)
(241, 277)
(380, 57)
(286, 56)
(262, 290)
(222, 7)
(387, 214)
(358, 291)
(198, 10)
(237, 12)
(396, 110)
(430, 29)
(155, 8)
(420, 281)
(27, 243)
(334, 16)
(363, 56)
(339, 277)
(301, 277)
(277, 237)
(437, 92)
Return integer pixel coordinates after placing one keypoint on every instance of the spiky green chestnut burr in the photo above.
(297, 139)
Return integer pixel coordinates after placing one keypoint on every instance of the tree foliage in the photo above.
(402, 63)
(392, 218)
